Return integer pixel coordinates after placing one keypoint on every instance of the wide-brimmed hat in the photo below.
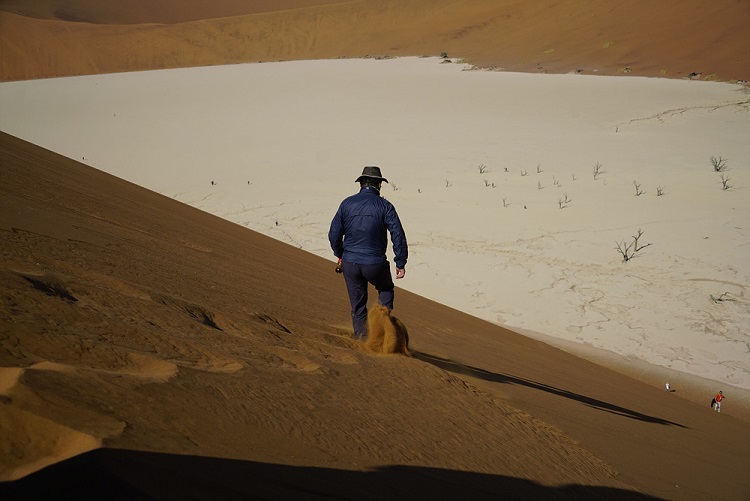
(371, 172)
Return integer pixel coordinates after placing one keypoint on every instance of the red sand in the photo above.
(670, 38)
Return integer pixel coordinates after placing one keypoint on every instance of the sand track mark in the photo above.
(132, 364)
(107, 282)
(213, 362)
(198, 247)
(58, 285)
(341, 356)
(663, 116)
(213, 319)
(200, 357)
(294, 359)
(334, 347)
(200, 313)
(272, 322)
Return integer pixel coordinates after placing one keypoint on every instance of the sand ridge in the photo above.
(145, 12)
(51, 443)
(684, 37)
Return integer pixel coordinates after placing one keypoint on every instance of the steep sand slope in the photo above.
(671, 38)
(150, 326)
(146, 325)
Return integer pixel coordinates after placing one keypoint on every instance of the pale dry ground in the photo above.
(670, 38)
(186, 343)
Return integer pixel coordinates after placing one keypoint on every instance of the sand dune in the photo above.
(51, 443)
(673, 38)
(146, 12)
(151, 349)
(291, 388)
(277, 401)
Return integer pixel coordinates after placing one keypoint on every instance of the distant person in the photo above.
(667, 385)
(717, 401)
(358, 237)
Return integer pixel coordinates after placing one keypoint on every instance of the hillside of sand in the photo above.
(671, 38)
(165, 339)
(159, 338)
(141, 324)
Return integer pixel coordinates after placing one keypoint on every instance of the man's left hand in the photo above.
(400, 272)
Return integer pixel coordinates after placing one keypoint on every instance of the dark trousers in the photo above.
(357, 278)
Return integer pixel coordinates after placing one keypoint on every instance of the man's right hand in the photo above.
(400, 272)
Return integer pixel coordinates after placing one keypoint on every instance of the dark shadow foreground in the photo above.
(123, 474)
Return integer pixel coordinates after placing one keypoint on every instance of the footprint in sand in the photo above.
(53, 284)
(195, 246)
(293, 359)
(132, 364)
(146, 367)
(212, 362)
(341, 356)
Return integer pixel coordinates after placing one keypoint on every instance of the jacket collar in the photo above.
(370, 190)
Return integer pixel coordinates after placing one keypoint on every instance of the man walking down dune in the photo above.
(358, 237)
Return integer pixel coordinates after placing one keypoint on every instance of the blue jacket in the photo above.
(358, 230)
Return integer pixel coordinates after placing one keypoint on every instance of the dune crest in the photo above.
(708, 39)
(146, 12)
(9, 377)
(32, 442)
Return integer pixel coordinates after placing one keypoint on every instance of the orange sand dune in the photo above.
(148, 12)
(670, 38)
(221, 359)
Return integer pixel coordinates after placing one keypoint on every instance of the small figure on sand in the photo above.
(716, 402)
(667, 386)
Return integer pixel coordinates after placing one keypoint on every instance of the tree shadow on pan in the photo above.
(115, 474)
(495, 377)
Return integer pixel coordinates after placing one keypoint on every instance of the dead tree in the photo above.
(629, 250)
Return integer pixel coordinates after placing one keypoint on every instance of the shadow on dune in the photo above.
(495, 377)
(124, 474)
